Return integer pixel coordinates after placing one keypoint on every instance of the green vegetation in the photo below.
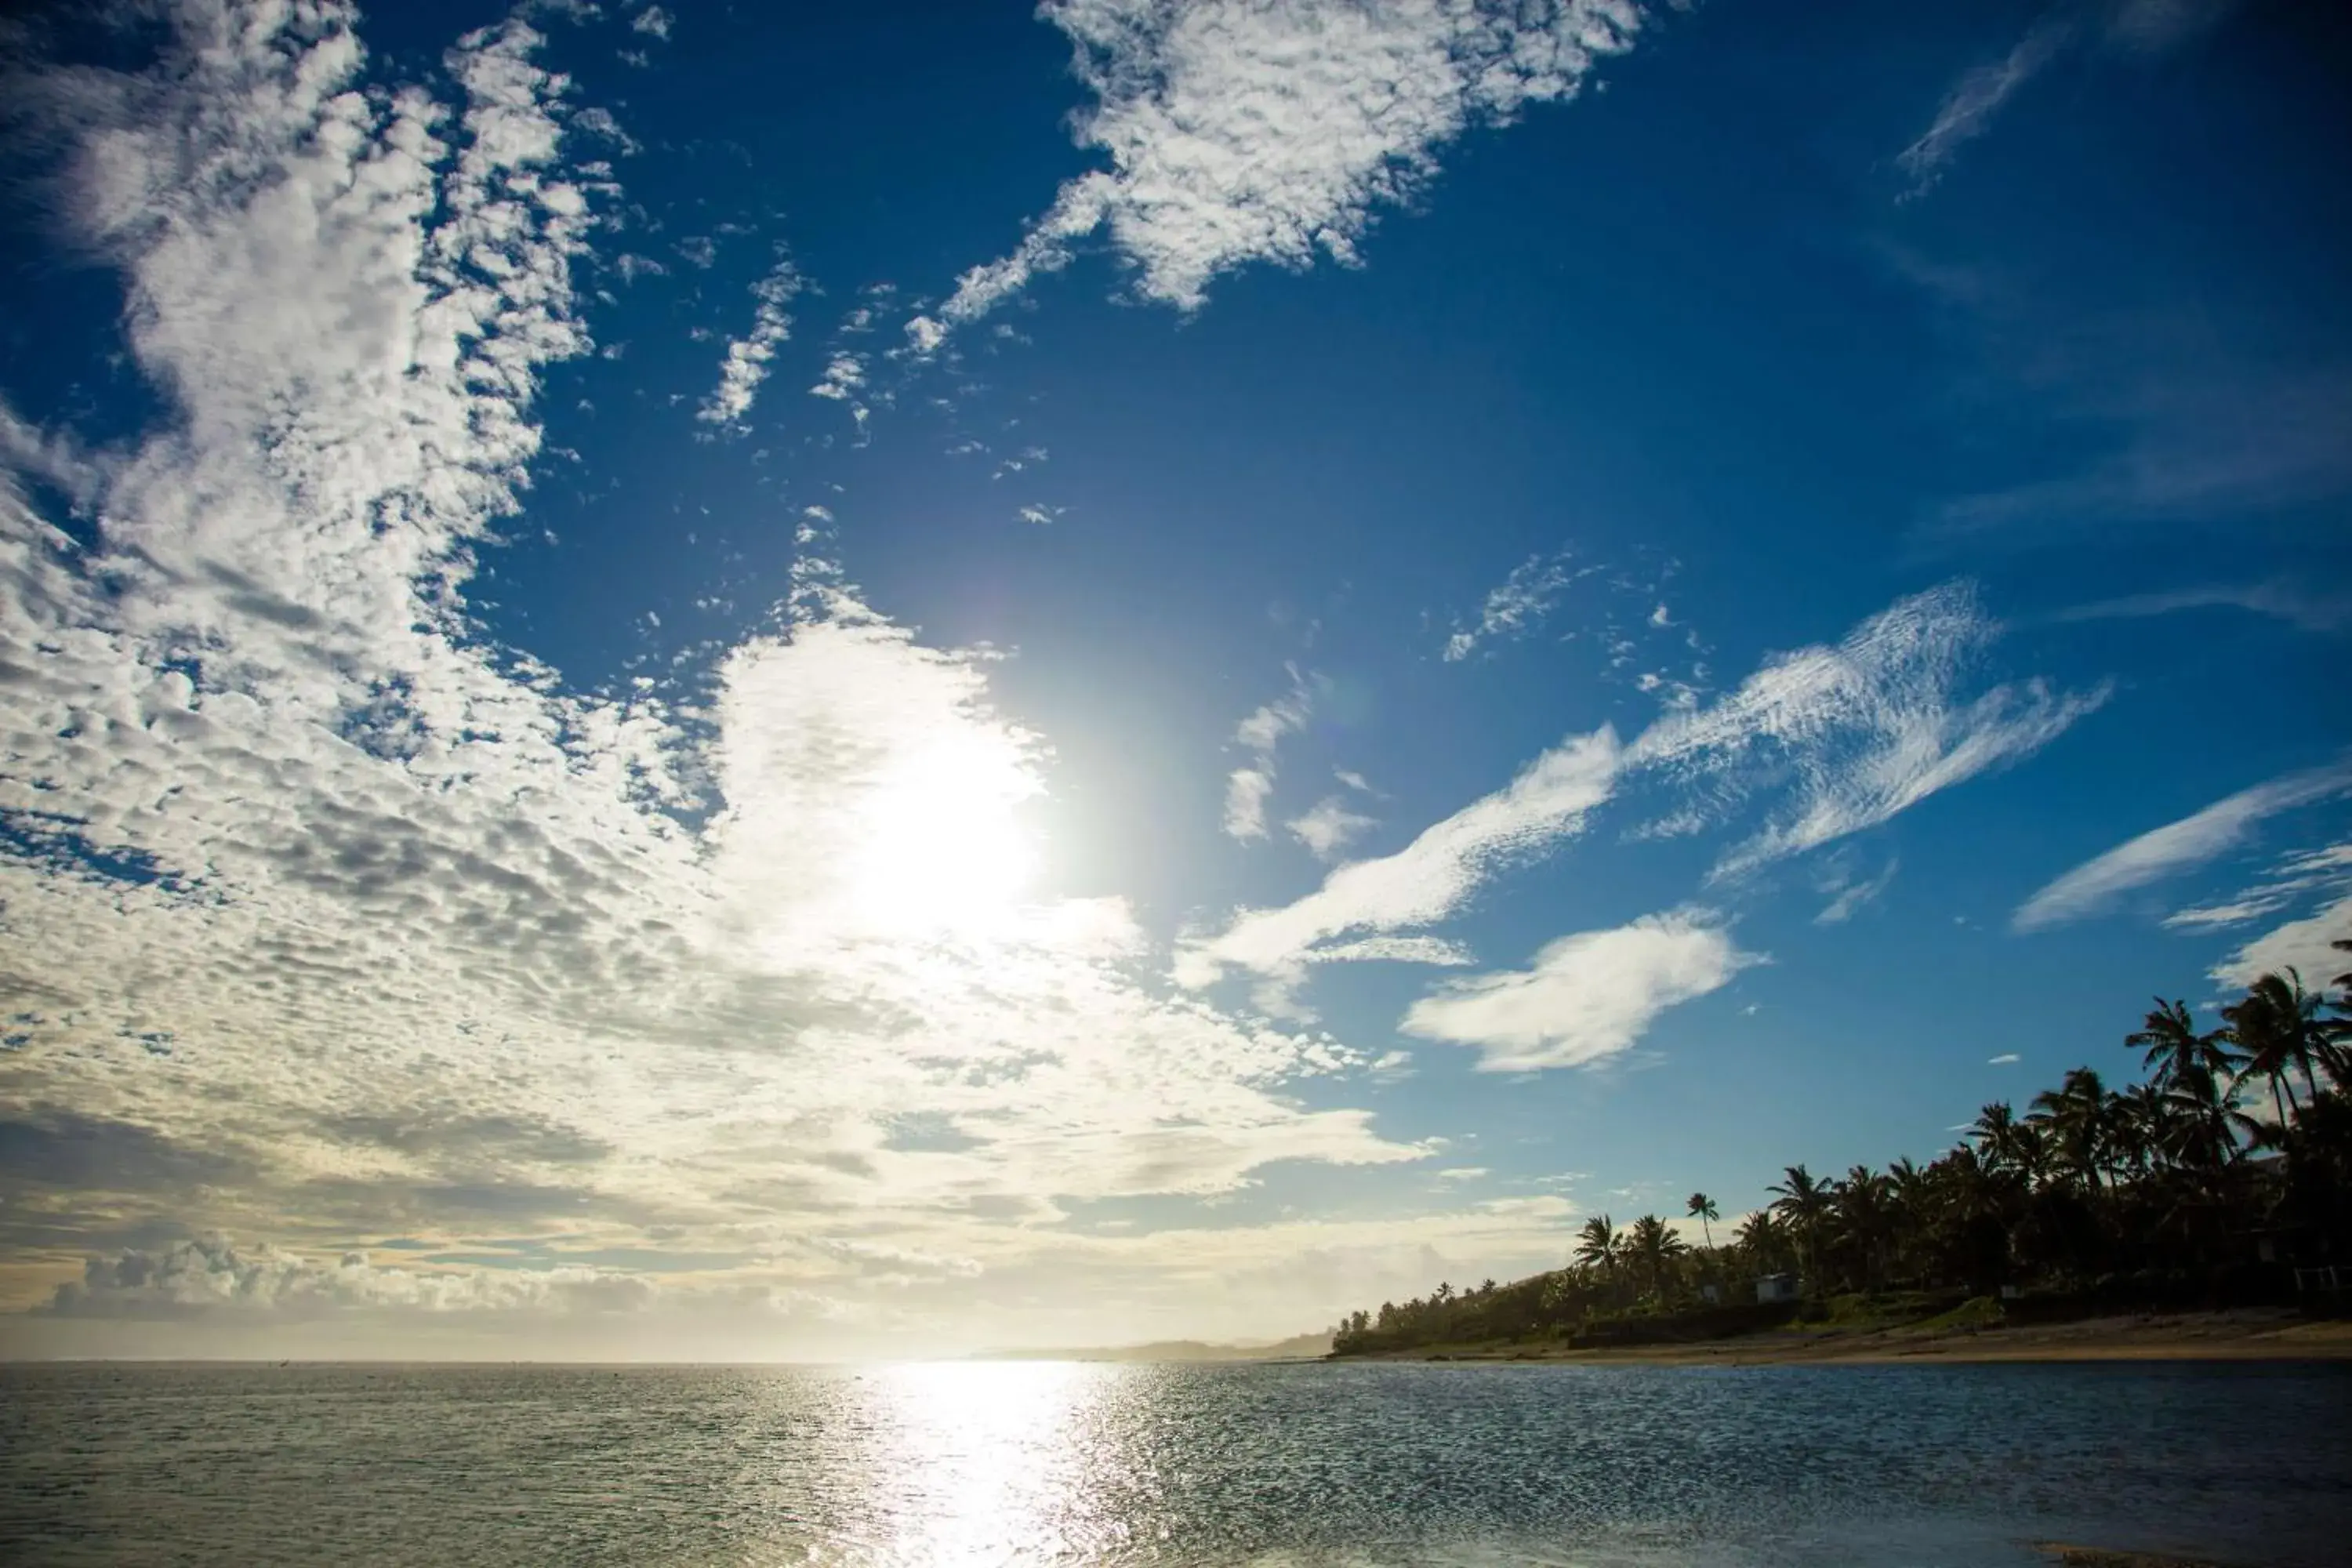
(2167, 1191)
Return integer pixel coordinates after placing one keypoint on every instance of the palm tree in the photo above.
(1909, 1193)
(2174, 1047)
(1654, 1246)
(1803, 1201)
(2076, 1116)
(2278, 1031)
(1996, 1136)
(1764, 1238)
(1865, 1216)
(1598, 1244)
(2203, 1126)
(1703, 1208)
(2136, 1127)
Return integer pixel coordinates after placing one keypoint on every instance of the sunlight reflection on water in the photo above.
(990, 1460)
(1270, 1466)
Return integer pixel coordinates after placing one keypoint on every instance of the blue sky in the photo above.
(796, 681)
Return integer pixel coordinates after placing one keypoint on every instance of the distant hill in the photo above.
(1296, 1347)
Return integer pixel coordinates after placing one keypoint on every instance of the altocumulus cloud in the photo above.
(210, 1274)
(274, 800)
(1242, 131)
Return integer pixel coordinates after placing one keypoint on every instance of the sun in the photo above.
(941, 849)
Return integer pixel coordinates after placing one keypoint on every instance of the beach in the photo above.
(2241, 1335)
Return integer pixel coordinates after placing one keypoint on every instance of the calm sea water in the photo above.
(1011, 1463)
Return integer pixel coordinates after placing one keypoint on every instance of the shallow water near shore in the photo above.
(1026, 1462)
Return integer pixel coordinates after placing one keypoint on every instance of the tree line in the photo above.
(2176, 1188)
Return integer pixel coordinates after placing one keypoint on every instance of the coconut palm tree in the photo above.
(1865, 1219)
(2202, 1124)
(2136, 1118)
(2075, 1115)
(1804, 1203)
(1764, 1239)
(1654, 1246)
(1701, 1208)
(1996, 1135)
(2172, 1045)
(2278, 1031)
(1598, 1244)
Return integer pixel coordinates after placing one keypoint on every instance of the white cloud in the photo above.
(1251, 785)
(350, 919)
(1516, 607)
(1587, 997)
(845, 376)
(2175, 847)
(1867, 728)
(2007, 1058)
(653, 20)
(2307, 945)
(1850, 894)
(1430, 878)
(746, 365)
(1396, 950)
(212, 1275)
(1968, 108)
(2296, 603)
(1245, 130)
(1328, 827)
(1854, 734)
(1246, 793)
(2304, 943)
(2147, 28)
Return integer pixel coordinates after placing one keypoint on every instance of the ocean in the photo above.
(957, 1463)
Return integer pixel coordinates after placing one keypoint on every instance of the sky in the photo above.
(727, 681)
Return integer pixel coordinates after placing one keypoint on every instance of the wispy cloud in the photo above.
(746, 365)
(1586, 998)
(1850, 894)
(1429, 878)
(2306, 945)
(1246, 130)
(1250, 786)
(2322, 875)
(2006, 1060)
(1967, 111)
(1866, 729)
(1968, 108)
(1851, 735)
(2175, 847)
(2182, 417)
(1517, 606)
(2229, 440)
(2298, 605)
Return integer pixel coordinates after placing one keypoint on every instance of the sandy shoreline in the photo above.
(2149, 1336)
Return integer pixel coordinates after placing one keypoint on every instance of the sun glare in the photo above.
(944, 850)
(987, 1460)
